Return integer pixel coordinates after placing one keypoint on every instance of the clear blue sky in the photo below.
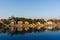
(30, 8)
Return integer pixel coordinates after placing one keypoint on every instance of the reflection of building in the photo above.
(50, 25)
(32, 25)
(20, 25)
(26, 25)
(58, 25)
(12, 24)
(39, 25)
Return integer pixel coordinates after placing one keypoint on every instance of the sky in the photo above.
(30, 8)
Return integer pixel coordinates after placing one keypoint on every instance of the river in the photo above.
(44, 35)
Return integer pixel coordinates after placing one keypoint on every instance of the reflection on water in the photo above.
(38, 35)
(43, 34)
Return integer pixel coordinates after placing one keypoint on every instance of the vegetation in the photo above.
(28, 24)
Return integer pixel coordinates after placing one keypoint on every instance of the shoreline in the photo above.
(27, 24)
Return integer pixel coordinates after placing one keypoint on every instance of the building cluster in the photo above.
(25, 26)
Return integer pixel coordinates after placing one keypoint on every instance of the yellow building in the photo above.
(50, 25)
(12, 25)
(39, 25)
(32, 25)
(26, 26)
(20, 26)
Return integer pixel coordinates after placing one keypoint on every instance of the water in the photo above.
(46, 35)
